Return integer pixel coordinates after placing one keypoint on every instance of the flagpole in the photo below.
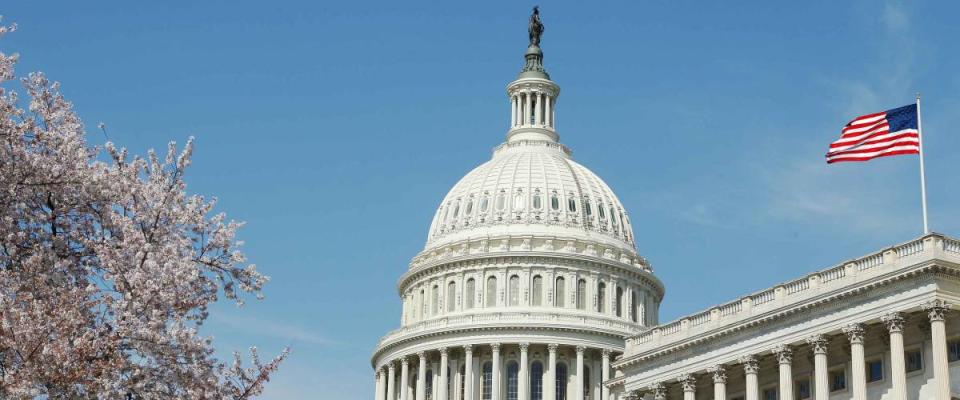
(923, 179)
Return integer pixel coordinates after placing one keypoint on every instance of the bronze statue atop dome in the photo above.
(536, 27)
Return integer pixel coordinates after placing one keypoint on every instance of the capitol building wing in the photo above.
(530, 288)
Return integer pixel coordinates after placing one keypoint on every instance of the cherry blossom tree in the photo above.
(107, 266)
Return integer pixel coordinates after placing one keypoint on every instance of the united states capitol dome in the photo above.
(531, 186)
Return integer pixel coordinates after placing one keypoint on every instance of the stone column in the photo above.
(404, 377)
(719, 382)
(496, 371)
(391, 382)
(539, 110)
(422, 377)
(523, 378)
(821, 376)
(444, 364)
(689, 385)
(898, 369)
(784, 356)
(858, 373)
(513, 111)
(578, 391)
(528, 111)
(550, 386)
(547, 116)
(750, 370)
(605, 374)
(936, 311)
(659, 391)
(468, 372)
(379, 389)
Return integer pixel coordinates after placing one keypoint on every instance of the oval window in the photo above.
(483, 204)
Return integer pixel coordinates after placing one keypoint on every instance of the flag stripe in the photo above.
(892, 152)
(877, 146)
(838, 146)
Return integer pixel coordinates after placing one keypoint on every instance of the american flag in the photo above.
(882, 134)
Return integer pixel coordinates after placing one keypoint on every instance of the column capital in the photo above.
(688, 382)
(552, 347)
(524, 347)
(468, 349)
(422, 355)
(750, 364)
(819, 343)
(894, 321)
(391, 367)
(784, 354)
(659, 391)
(855, 332)
(606, 352)
(936, 309)
(443, 351)
(495, 347)
(719, 373)
(405, 360)
(581, 349)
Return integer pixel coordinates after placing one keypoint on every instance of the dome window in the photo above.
(469, 208)
(536, 201)
(446, 213)
(587, 208)
(572, 204)
(554, 202)
(518, 201)
(501, 199)
(483, 203)
(613, 217)
(456, 210)
(600, 211)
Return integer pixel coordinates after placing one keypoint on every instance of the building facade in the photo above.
(530, 288)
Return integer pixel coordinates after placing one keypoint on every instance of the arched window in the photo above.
(486, 382)
(491, 293)
(435, 303)
(429, 389)
(619, 306)
(633, 310)
(483, 203)
(514, 291)
(536, 381)
(561, 381)
(600, 211)
(501, 199)
(587, 394)
(561, 291)
(537, 290)
(601, 297)
(536, 200)
(554, 202)
(420, 307)
(512, 383)
(587, 208)
(471, 294)
(571, 204)
(582, 294)
(456, 210)
(451, 296)
(469, 208)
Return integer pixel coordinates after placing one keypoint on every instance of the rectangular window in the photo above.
(914, 360)
(953, 350)
(838, 380)
(802, 388)
(874, 370)
(770, 394)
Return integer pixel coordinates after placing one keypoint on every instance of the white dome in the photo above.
(532, 187)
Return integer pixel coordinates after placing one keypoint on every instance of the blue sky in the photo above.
(335, 128)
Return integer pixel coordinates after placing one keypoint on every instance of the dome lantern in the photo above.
(533, 95)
